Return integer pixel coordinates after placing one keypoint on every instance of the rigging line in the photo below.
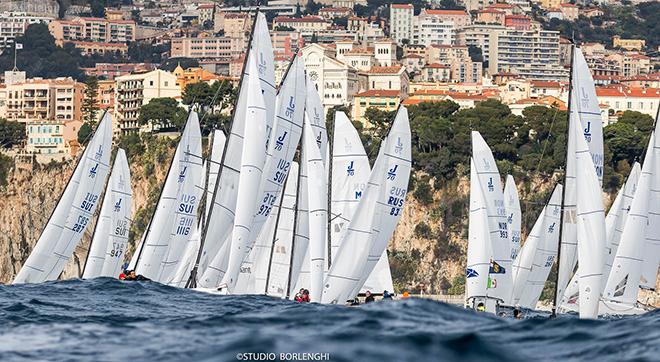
(547, 140)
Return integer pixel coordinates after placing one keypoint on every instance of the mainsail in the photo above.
(652, 242)
(176, 212)
(585, 112)
(110, 240)
(513, 214)
(73, 212)
(590, 228)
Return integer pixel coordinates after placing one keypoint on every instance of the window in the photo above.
(166, 83)
(151, 82)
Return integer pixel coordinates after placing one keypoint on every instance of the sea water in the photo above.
(109, 320)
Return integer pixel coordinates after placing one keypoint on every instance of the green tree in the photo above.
(11, 133)
(85, 133)
(6, 165)
(90, 106)
(162, 113)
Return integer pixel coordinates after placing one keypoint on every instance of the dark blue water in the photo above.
(109, 320)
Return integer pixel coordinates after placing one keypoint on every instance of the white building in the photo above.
(621, 99)
(401, 22)
(135, 90)
(14, 24)
(429, 30)
(336, 81)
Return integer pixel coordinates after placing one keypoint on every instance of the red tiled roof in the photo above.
(402, 6)
(568, 5)
(385, 70)
(379, 93)
(335, 9)
(437, 66)
(445, 12)
(628, 92)
(545, 84)
(490, 11)
(305, 19)
(500, 6)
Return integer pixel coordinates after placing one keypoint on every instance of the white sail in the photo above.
(652, 242)
(380, 279)
(282, 147)
(175, 218)
(623, 282)
(108, 245)
(543, 257)
(585, 112)
(501, 282)
(389, 209)
(590, 229)
(182, 273)
(614, 223)
(252, 276)
(221, 220)
(136, 253)
(316, 193)
(375, 220)
(314, 109)
(73, 212)
(252, 164)
(280, 264)
(217, 150)
(513, 214)
(350, 174)
(479, 251)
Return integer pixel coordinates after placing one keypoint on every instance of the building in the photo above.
(413, 63)
(384, 100)
(307, 25)
(549, 4)
(428, 30)
(569, 11)
(389, 78)
(13, 24)
(93, 30)
(460, 18)
(45, 137)
(208, 47)
(332, 13)
(110, 71)
(135, 90)
(532, 54)
(621, 99)
(518, 22)
(336, 81)
(192, 75)
(401, 22)
(40, 99)
(286, 43)
(628, 44)
(480, 36)
(89, 47)
(234, 25)
(490, 16)
(205, 12)
(436, 73)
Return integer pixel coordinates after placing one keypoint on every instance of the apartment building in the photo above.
(620, 99)
(39, 99)
(481, 36)
(221, 48)
(307, 25)
(460, 18)
(384, 100)
(133, 91)
(234, 25)
(429, 30)
(401, 22)
(286, 43)
(93, 30)
(45, 137)
(13, 24)
(532, 54)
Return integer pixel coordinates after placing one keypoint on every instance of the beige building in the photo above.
(569, 11)
(549, 4)
(401, 22)
(205, 12)
(307, 25)
(234, 25)
(135, 90)
(93, 29)
(389, 78)
(13, 24)
(384, 100)
(45, 137)
(44, 100)
(222, 48)
(620, 99)
(628, 44)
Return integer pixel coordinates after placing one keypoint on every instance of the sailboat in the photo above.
(584, 112)
(175, 217)
(513, 214)
(110, 240)
(378, 213)
(217, 234)
(73, 212)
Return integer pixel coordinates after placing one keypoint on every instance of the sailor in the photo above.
(405, 294)
(305, 296)
(355, 301)
(387, 295)
(370, 298)
(481, 307)
(131, 275)
(299, 296)
(517, 313)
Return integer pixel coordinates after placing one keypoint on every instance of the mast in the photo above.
(295, 218)
(192, 280)
(272, 246)
(555, 301)
(329, 213)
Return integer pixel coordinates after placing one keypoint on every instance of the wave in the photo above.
(110, 320)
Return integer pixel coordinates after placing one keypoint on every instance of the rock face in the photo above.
(37, 7)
